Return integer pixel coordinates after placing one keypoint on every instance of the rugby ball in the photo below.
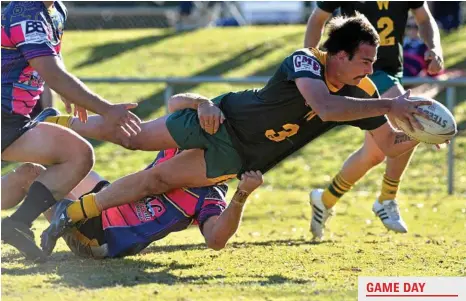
(440, 126)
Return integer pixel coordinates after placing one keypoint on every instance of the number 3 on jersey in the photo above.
(386, 24)
(288, 131)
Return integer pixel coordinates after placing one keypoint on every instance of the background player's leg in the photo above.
(69, 158)
(395, 166)
(354, 168)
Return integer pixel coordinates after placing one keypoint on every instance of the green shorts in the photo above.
(384, 81)
(222, 160)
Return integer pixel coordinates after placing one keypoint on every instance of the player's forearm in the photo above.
(314, 31)
(429, 32)
(225, 226)
(185, 101)
(71, 88)
(342, 108)
(228, 222)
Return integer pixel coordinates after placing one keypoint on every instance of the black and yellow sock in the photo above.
(63, 120)
(335, 191)
(85, 207)
(389, 189)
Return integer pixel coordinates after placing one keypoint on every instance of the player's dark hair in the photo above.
(347, 33)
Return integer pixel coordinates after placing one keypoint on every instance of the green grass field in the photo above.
(271, 257)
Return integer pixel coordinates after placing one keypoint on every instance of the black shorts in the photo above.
(37, 109)
(87, 239)
(13, 127)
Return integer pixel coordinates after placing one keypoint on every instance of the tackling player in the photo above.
(130, 228)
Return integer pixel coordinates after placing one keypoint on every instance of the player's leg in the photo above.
(87, 185)
(154, 134)
(354, 168)
(70, 158)
(16, 183)
(357, 165)
(191, 168)
(86, 239)
(386, 207)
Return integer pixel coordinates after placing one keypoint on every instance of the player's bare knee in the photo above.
(375, 159)
(30, 171)
(83, 156)
(370, 156)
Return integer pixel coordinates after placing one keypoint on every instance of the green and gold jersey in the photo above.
(271, 123)
(389, 19)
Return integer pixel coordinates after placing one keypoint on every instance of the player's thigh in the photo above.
(154, 136)
(48, 144)
(371, 150)
(187, 169)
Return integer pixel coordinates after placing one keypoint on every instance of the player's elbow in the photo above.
(173, 103)
(326, 113)
(216, 245)
(49, 69)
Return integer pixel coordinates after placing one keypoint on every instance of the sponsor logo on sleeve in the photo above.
(34, 32)
(306, 63)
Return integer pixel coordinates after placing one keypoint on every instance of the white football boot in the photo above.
(389, 214)
(320, 214)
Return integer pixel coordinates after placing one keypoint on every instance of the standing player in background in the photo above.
(31, 44)
(389, 18)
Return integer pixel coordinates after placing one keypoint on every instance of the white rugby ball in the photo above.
(440, 127)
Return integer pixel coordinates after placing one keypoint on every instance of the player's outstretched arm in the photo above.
(53, 72)
(219, 229)
(342, 108)
(315, 27)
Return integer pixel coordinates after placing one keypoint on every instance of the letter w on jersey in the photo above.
(306, 63)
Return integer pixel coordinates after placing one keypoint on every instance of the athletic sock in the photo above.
(389, 189)
(63, 120)
(38, 199)
(335, 191)
(85, 207)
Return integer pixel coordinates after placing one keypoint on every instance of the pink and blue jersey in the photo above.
(29, 30)
(130, 228)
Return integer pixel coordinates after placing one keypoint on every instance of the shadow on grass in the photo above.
(101, 53)
(236, 245)
(75, 272)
